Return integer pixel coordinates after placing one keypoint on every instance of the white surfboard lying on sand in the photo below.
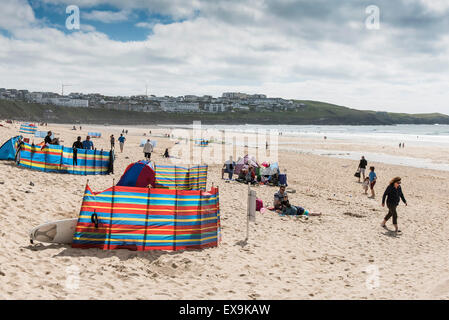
(60, 231)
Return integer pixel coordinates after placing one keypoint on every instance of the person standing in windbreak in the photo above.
(76, 145)
(393, 194)
(88, 144)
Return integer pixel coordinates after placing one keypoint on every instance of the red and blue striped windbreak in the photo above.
(27, 128)
(138, 174)
(148, 219)
(181, 178)
(55, 158)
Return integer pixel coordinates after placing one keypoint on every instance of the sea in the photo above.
(411, 135)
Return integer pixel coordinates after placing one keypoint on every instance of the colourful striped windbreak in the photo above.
(94, 134)
(148, 219)
(27, 128)
(181, 178)
(54, 158)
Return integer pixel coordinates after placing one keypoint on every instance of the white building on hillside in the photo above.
(169, 106)
(67, 102)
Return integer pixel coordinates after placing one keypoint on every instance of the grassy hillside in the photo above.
(314, 113)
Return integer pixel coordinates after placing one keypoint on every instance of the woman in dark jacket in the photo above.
(394, 194)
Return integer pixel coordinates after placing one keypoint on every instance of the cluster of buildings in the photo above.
(228, 102)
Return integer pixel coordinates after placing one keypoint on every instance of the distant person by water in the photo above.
(393, 194)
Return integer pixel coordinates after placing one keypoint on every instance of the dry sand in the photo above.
(328, 257)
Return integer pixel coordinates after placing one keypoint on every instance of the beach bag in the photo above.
(357, 174)
(259, 204)
(283, 179)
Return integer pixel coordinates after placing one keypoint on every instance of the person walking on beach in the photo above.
(362, 166)
(372, 181)
(393, 194)
(365, 185)
(148, 149)
(112, 142)
(121, 139)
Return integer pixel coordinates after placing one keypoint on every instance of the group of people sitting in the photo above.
(248, 174)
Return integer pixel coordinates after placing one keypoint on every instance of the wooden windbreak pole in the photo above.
(111, 214)
(175, 218)
(147, 217)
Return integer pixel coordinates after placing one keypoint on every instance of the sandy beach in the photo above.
(333, 256)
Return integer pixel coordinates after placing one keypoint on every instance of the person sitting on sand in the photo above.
(365, 185)
(279, 199)
(251, 175)
(242, 175)
(48, 139)
(228, 167)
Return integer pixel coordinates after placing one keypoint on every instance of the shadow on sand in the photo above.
(122, 254)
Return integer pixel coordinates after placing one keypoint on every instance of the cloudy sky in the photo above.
(302, 49)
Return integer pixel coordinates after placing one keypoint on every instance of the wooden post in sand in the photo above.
(251, 209)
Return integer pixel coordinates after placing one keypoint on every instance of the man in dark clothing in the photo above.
(362, 167)
(76, 145)
(393, 194)
(48, 138)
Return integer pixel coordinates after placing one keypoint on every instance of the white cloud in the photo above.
(248, 49)
(106, 16)
(15, 14)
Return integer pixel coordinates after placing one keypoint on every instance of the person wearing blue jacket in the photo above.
(88, 144)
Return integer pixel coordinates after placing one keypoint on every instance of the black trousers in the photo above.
(392, 213)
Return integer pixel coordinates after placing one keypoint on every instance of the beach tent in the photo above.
(27, 128)
(270, 170)
(201, 143)
(148, 219)
(9, 148)
(138, 174)
(94, 134)
(245, 161)
(56, 158)
(144, 141)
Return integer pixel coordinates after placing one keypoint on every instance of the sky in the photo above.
(393, 58)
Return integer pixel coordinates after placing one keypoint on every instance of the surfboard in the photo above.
(60, 231)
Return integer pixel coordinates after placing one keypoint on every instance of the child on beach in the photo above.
(365, 185)
(372, 181)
